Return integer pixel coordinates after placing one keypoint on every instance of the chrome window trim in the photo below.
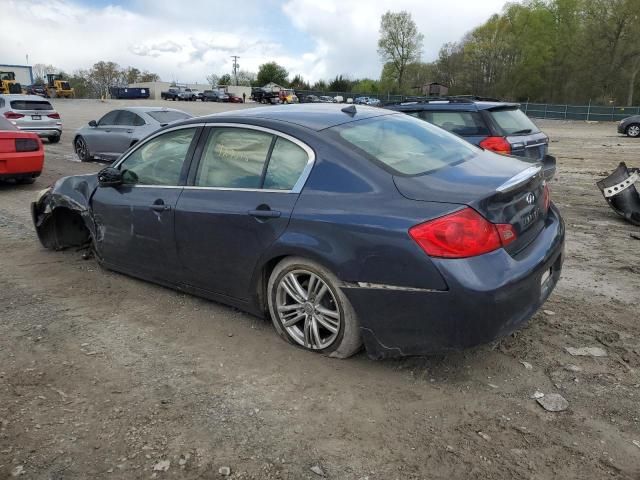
(297, 187)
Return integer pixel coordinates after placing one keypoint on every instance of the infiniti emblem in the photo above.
(530, 198)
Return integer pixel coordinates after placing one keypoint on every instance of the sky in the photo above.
(186, 41)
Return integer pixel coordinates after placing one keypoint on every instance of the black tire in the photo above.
(54, 139)
(633, 130)
(347, 340)
(82, 149)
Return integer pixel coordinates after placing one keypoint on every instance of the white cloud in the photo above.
(186, 42)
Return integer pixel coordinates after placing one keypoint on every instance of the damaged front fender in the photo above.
(62, 215)
(620, 193)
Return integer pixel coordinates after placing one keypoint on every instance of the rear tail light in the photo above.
(13, 115)
(461, 234)
(546, 197)
(27, 145)
(54, 115)
(496, 144)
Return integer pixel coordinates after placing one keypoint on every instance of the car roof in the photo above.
(315, 117)
(468, 106)
(149, 109)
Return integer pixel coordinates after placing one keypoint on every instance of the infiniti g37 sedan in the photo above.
(344, 225)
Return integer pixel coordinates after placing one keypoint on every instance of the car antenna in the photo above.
(350, 110)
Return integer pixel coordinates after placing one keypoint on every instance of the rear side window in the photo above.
(513, 121)
(404, 144)
(465, 124)
(166, 116)
(30, 105)
(286, 164)
(233, 158)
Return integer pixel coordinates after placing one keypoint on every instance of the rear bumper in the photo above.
(15, 165)
(43, 132)
(488, 297)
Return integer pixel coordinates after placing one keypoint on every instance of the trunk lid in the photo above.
(502, 189)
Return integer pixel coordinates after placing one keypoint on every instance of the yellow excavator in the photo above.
(8, 83)
(57, 87)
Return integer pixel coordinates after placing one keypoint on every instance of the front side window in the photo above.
(160, 160)
(129, 119)
(404, 144)
(233, 158)
(109, 118)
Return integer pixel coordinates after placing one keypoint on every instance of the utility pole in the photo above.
(235, 67)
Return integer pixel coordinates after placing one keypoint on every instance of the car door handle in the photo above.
(160, 207)
(264, 213)
(129, 131)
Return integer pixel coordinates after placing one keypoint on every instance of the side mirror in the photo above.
(110, 177)
(93, 123)
(548, 167)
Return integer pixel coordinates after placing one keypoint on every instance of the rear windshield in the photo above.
(465, 124)
(513, 121)
(404, 144)
(30, 105)
(168, 116)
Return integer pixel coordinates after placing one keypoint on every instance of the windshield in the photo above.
(513, 121)
(404, 144)
(168, 116)
(30, 105)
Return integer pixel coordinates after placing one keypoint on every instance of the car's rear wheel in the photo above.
(81, 149)
(633, 130)
(309, 310)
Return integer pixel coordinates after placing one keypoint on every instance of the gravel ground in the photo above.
(105, 376)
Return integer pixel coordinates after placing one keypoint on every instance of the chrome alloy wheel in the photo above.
(633, 131)
(308, 310)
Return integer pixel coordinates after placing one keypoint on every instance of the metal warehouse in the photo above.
(24, 73)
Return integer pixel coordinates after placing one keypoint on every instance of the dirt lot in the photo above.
(104, 376)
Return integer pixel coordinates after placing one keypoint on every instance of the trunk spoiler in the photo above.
(519, 179)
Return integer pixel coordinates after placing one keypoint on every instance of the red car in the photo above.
(233, 98)
(21, 154)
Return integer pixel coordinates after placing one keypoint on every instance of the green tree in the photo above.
(149, 77)
(225, 79)
(340, 84)
(400, 42)
(272, 72)
(131, 75)
(298, 83)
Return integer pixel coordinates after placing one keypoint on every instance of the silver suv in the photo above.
(32, 113)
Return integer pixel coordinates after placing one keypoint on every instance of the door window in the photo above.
(109, 118)
(233, 158)
(129, 119)
(158, 161)
(286, 164)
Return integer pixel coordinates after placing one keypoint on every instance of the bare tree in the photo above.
(40, 71)
(400, 42)
(213, 79)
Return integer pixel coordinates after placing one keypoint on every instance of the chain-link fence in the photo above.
(578, 112)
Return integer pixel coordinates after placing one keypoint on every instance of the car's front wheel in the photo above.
(81, 149)
(633, 130)
(308, 309)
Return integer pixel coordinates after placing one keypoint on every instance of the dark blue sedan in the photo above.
(345, 225)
